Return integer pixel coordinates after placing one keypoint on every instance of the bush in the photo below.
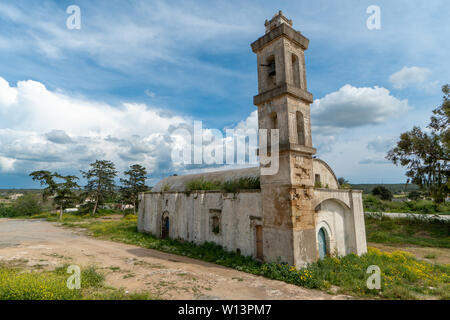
(382, 192)
(414, 195)
(6, 211)
(231, 186)
(241, 184)
(202, 184)
(28, 205)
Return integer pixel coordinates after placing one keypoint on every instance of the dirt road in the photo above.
(41, 244)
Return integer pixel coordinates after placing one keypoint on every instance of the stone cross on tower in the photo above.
(284, 103)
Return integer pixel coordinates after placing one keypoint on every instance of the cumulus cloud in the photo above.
(6, 164)
(411, 76)
(351, 107)
(8, 95)
(44, 129)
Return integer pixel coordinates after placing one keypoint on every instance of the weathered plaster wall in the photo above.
(327, 177)
(341, 214)
(191, 215)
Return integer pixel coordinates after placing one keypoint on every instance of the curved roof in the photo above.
(178, 183)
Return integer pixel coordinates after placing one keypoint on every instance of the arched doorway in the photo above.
(165, 226)
(322, 239)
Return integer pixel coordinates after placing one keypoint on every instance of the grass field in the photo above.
(374, 204)
(17, 283)
(412, 231)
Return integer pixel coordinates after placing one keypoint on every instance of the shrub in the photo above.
(414, 195)
(201, 184)
(382, 192)
(27, 205)
(241, 184)
(231, 186)
(6, 211)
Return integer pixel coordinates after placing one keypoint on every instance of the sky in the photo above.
(136, 71)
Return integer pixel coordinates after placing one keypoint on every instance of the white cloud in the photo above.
(410, 76)
(351, 107)
(43, 129)
(6, 164)
(381, 144)
(8, 95)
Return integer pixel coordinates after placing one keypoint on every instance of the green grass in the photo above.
(16, 283)
(374, 204)
(403, 277)
(71, 217)
(432, 233)
(231, 186)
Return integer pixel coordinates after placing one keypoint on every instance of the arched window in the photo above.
(300, 128)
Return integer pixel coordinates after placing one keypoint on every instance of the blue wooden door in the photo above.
(322, 244)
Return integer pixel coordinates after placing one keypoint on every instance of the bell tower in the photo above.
(284, 103)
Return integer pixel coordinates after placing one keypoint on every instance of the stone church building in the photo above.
(299, 214)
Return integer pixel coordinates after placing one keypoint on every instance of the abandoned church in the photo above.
(300, 214)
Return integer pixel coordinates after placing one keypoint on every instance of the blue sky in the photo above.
(138, 69)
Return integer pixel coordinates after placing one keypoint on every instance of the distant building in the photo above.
(15, 196)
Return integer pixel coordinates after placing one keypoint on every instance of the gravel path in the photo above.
(41, 244)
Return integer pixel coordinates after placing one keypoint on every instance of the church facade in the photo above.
(299, 214)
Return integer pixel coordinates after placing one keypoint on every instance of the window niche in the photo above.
(295, 71)
(271, 68)
(271, 71)
(317, 183)
(300, 128)
(215, 221)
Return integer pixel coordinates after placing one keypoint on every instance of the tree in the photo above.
(426, 154)
(382, 192)
(64, 191)
(343, 183)
(100, 181)
(134, 184)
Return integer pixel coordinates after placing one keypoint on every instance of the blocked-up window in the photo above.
(317, 182)
(215, 224)
(300, 128)
(295, 71)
